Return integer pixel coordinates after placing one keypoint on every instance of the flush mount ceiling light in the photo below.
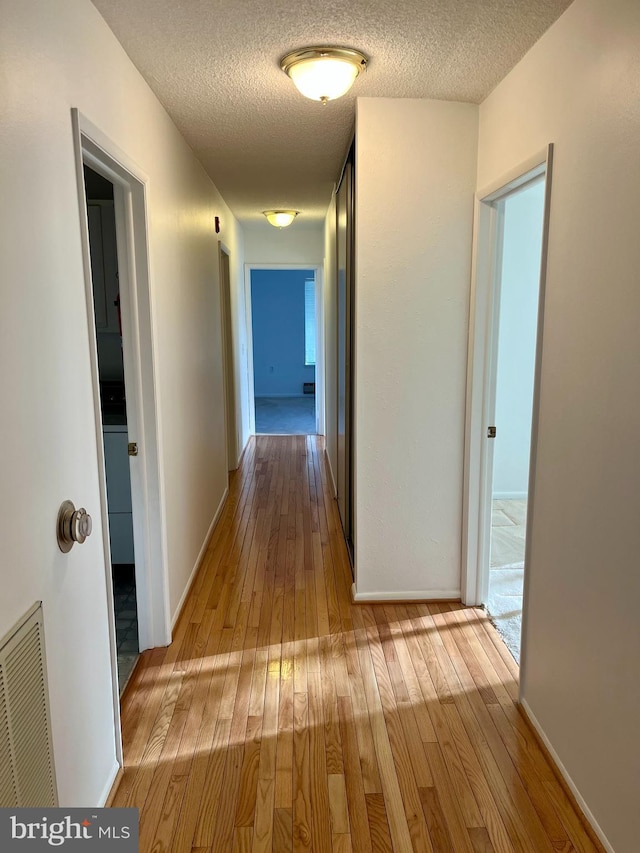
(280, 218)
(323, 73)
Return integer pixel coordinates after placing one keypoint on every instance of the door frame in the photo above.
(318, 270)
(93, 148)
(345, 476)
(481, 365)
(228, 361)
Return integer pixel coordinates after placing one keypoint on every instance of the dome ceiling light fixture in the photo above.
(324, 73)
(280, 218)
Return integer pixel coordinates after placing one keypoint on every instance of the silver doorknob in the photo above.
(74, 525)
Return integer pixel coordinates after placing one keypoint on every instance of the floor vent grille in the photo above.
(26, 762)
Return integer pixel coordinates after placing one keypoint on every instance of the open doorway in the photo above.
(128, 314)
(505, 345)
(284, 342)
(520, 219)
(113, 406)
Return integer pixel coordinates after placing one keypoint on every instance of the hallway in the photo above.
(284, 718)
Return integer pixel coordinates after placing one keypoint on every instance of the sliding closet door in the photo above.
(345, 284)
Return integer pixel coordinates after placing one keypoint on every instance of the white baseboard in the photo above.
(567, 778)
(410, 595)
(242, 452)
(333, 479)
(201, 554)
(104, 796)
(509, 496)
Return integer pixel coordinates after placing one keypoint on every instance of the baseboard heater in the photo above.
(308, 387)
(26, 760)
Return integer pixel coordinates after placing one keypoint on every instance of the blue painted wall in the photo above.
(277, 311)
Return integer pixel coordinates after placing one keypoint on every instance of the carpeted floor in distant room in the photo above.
(286, 415)
(505, 604)
(506, 576)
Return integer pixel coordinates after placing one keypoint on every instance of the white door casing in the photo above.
(481, 374)
(94, 149)
(320, 361)
(232, 415)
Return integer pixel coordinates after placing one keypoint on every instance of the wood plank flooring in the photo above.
(284, 718)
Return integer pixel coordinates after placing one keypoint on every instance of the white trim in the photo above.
(535, 416)
(95, 149)
(242, 452)
(232, 409)
(248, 319)
(410, 595)
(147, 486)
(525, 172)
(482, 270)
(318, 270)
(481, 358)
(567, 778)
(333, 479)
(489, 388)
(106, 791)
(510, 496)
(199, 558)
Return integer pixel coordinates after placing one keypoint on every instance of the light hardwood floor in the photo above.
(284, 718)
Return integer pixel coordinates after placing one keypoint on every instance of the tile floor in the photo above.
(506, 575)
(124, 595)
(286, 415)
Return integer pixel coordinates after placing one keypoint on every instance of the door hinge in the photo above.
(132, 448)
(491, 432)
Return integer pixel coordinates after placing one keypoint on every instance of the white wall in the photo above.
(299, 243)
(55, 57)
(519, 289)
(579, 87)
(415, 180)
(331, 340)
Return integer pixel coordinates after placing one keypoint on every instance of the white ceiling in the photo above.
(214, 64)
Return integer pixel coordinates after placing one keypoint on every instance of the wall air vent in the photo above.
(26, 762)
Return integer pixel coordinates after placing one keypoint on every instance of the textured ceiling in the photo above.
(214, 64)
